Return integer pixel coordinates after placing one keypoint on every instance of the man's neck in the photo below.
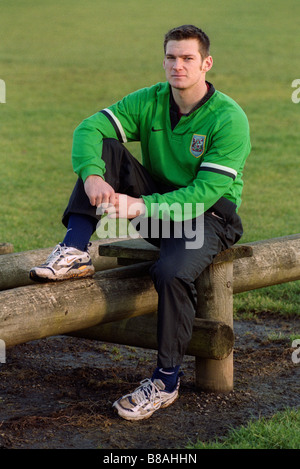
(187, 99)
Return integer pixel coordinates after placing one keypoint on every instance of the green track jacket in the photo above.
(201, 154)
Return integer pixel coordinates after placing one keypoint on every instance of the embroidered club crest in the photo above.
(197, 145)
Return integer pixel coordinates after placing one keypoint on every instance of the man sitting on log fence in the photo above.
(194, 142)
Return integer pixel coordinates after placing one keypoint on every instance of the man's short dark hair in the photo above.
(188, 31)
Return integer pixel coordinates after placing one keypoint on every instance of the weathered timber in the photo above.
(6, 248)
(87, 305)
(274, 261)
(215, 302)
(255, 265)
(15, 267)
(240, 268)
(210, 339)
(35, 311)
(139, 249)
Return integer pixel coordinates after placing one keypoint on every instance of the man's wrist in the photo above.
(90, 171)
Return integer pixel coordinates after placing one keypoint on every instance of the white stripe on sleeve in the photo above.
(118, 124)
(219, 167)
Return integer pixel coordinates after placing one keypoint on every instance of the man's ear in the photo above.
(207, 63)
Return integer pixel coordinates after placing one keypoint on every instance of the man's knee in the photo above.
(111, 144)
(111, 149)
(167, 271)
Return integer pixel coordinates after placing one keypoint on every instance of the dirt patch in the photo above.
(57, 393)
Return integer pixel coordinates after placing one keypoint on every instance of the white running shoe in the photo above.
(62, 264)
(145, 400)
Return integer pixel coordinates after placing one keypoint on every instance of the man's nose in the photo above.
(177, 64)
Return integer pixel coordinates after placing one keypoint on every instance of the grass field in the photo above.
(64, 60)
(278, 432)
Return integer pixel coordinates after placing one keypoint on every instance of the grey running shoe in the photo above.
(145, 400)
(62, 264)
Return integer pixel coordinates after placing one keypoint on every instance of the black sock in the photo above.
(80, 230)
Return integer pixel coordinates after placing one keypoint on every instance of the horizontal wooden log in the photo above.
(6, 248)
(139, 249)
(255, 265)
(15, 267)
(267, 262)
(35, 311)
(274, 261)
(210, 339)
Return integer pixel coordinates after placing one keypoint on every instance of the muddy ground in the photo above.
(57, 393)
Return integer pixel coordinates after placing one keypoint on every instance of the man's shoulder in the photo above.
(152, 91)
(222, 100)
(225, 107)
(143, 99)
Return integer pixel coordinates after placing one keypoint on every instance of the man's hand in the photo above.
(124, 207)
(99, 191)
(103, 196)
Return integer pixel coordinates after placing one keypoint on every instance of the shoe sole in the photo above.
(81, 274)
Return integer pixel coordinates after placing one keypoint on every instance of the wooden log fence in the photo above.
(211, 339)
(241, 268)
(15, 266)
(119, 304)
(41, 310)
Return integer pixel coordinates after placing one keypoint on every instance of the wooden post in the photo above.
(215, 302)
(6, 248)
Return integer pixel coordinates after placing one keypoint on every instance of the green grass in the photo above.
(278, 432)
(281, 300)
(66, 59)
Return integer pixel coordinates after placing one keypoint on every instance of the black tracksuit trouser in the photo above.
(178, 267)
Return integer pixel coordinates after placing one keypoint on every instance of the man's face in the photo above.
(183, 64)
